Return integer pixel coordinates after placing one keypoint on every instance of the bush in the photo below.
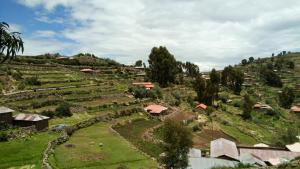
(21, 86)
(237, 103)
(32, 81)
(140, 92)
(17, 75)
(3, 136)
(48, 113)
(63, 110)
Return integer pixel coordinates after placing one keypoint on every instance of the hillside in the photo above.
(41, 84)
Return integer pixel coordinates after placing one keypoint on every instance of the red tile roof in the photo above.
(201, 106)
(155, 109)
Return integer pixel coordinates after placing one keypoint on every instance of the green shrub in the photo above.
(48, 113)
(32, 81)
(63, 110)
(3, 136)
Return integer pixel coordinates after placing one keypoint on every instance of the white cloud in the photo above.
(45, 33)
(212, 33)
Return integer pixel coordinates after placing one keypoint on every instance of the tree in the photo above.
(192, 70)
(287, 136)
(270, 77)
(244, 62)
(233, 78)
(200, 87)
(286, 97)
(63, 110)
(247, 107)
(251, 59)
(215, 80)
(10, 43)
(162, 66)
(178, 141)
(138, 63)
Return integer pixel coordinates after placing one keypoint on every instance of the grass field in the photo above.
(87, 153)
(26, 152)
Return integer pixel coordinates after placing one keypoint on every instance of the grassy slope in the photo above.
(88, 154)
(27, 152)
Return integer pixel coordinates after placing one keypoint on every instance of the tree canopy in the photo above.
(10, 43)
(178, 141)
(286, 97)
(162, 66)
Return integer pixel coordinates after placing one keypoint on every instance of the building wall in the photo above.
(6, 117)
(39, 125)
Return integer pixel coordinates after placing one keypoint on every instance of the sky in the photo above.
(210, 33)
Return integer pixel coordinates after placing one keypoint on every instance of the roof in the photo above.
(194, 153)
(156, 109)
(141, 83)
(277, 161)
(86, 70)
(223, 147)
(201, 106)
(259, 105)
(251, 159)
(268, 153)
(261, 145)
(294, 147)
(208, 163)
(148, 85)
(5, 110)
(295, 109)
(30, 117)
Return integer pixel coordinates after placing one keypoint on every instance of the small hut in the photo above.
(6, 115)
(25, 120)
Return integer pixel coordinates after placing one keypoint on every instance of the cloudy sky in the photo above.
(210, 33)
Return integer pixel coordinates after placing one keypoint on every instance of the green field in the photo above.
(87, 153)
(26, 152)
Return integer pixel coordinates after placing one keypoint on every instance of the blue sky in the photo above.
(210, 33)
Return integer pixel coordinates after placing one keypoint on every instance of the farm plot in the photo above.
(25, 153)
(99, 147)
(134, 131)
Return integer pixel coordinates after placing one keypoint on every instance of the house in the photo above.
(146, 85)
(251, 160)
(295, 109)
(269, 155)
(224, 149)
(196, 161)
(6, 115)
(294, 147)
(61, 58)
(262, 106)
(156, 110)
(201, 106)
(87, 70)
(261, 145)
(24, 120)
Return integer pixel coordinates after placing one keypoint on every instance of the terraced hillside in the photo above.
(42, 84)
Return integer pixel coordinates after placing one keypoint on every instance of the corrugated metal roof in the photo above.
(268, 153)
(294, 147)
(194, 153)
(5, 110)
(30, 117)
(261, 145)
(223, 147)
(208, 163)
(250, 159)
